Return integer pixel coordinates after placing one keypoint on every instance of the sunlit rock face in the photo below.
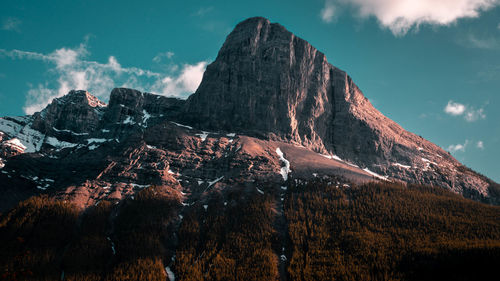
(270, 83)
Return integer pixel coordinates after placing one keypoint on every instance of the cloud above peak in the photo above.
(454, 108)
(70, 68)
(469, 113)
(400, 16)
(458, 147)
(327, 14)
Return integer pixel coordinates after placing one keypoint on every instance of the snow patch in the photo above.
(375, 174)
(203, 136)
(32, 139)
(145, 116)
(16, 143)
(112, 245)
(183, 126)
(260, 191)
(429, 161)
(151, 146)
(214, 181)
(93, 146)
(69, 131)
(59, 144)
(139, 185)
(284, 170)
(231, 135)
(94, 140)
(205, 207)
(128, 120)
(335, 157)
(401, 165)
(170, 273)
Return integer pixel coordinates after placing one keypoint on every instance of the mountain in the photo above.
(276, 162)
(267, 90)
(267, 82)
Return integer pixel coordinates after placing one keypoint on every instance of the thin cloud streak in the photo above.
(327, 14)
(11, 24)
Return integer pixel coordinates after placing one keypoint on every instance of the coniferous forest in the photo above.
(319, 231)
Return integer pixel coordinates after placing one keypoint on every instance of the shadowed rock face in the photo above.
(267, 89)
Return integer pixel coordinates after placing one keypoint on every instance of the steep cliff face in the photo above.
(268, 82)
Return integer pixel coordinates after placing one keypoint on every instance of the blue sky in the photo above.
(433, 66)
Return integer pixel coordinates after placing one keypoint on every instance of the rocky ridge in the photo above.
(267, 91)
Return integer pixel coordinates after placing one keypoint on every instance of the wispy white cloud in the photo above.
(454, 108)
(472, 114)
(458, 147)
(474, 41)
(11, 24)
(402, 15)
(327, 14)
(158, 58)
(480, 145)
(69, 68)
(469, 113)
(202, 11)
(187, 82)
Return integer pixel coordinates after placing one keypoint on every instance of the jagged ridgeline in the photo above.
(277, 168)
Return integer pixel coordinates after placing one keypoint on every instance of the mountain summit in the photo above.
(270, 108)
(268, 82)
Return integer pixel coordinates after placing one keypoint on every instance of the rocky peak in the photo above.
(268, 82)
(81, 97)
(75, 113)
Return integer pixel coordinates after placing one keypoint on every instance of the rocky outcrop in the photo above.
(77, 112)
(131, 106)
